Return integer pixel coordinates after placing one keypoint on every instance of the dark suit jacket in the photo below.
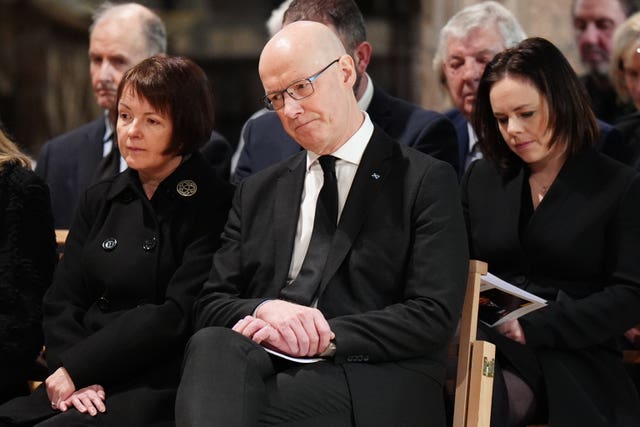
(462, 132)
(579, 251)
(394, 281)
(266, 141)
(609, 142)
(68, 164)
(629, 152)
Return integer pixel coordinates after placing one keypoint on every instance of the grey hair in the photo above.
(274, 23)
(153, 28)
(472, 17)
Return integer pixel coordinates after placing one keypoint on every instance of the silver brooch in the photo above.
(187, 188)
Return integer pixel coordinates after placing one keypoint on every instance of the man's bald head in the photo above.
(303, 42)
(310, 53)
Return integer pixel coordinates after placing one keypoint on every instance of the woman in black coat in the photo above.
(27, 260)
(552, 216)
(119, 311)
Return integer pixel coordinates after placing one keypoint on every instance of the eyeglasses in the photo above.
(297, 90)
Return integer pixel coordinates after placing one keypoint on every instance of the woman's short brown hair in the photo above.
(179, 88)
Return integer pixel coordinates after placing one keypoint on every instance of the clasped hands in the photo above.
(63, 395)
(289, 328)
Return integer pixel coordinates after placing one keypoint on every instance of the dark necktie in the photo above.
(110, 164)
(303, 289)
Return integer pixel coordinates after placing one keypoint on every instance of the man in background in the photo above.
(266, 142)
(594, 22)
(468, 41)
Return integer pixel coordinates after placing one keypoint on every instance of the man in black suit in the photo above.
(389, 284)
(266, 142)
(120, 37)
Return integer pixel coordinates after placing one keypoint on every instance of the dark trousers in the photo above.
(228, 380)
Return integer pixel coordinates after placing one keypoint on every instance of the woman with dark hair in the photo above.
(27, 260)
(118, 313)
(554, 217)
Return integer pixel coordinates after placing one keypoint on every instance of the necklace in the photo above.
(543, 188)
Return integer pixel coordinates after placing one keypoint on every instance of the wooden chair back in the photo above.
(476, 360)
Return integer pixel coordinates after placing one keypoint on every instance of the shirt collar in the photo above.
(352, 150)
(364, 102)
(108, 127)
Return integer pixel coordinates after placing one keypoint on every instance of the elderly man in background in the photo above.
(468, 41)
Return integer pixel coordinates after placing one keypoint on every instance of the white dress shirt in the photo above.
(348, 158)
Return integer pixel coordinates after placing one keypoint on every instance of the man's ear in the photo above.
(362, 56)
(348, 68)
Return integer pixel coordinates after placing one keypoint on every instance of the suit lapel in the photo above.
(367, 184)
(286, 211)
(92, 148)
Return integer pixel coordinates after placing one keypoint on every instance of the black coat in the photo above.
(120, 308)
(27, 260)
(579, 250)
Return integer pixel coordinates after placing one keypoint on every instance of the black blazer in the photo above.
(68, 164)
(394, 281)
(579, 251)
(266, 142)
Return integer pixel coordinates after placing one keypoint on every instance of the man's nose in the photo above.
(589, 34)
(472, 70)
(291, 106)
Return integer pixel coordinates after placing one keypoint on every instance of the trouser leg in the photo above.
(222, 380)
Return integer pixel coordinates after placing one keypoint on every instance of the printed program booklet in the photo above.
(501, 301)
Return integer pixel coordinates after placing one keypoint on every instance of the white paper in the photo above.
(294, 359)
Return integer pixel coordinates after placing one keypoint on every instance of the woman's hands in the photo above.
(59, 387)
(89, 399)
(63, 395)
(513, 330)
